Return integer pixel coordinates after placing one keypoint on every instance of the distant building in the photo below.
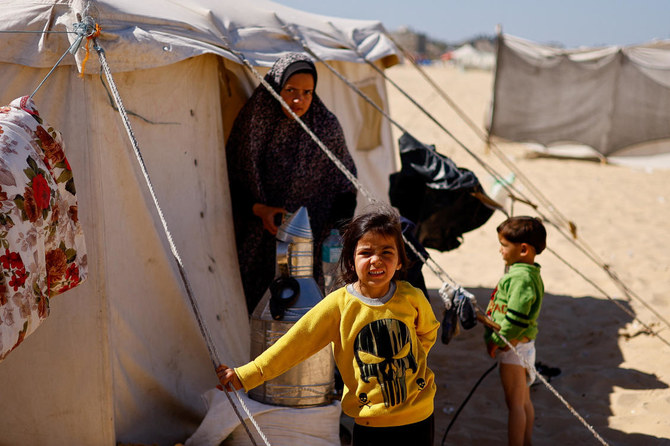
(419, 44)
(425, 49)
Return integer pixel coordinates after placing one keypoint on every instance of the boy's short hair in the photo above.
(524, 229)
(380, 219)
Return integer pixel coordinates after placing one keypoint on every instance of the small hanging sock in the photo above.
(465, 309)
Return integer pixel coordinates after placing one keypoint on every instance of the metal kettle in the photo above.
(292, 293)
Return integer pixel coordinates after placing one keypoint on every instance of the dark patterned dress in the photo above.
(273, 161)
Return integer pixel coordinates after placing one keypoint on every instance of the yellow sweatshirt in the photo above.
(380, 348)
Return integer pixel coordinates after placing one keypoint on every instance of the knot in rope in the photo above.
(91, 31)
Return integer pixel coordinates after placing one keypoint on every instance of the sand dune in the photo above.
(613, 374)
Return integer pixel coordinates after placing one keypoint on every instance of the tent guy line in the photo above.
(152, 364)
(581, 245)
(322, 146)
(37, 32)
(296, 37)
(484, 137)
(211, 346)
(72, 49)
(132, 137)
(530, 366)
(438, 271)
(578, 242)
(349, 175)
(88, 29)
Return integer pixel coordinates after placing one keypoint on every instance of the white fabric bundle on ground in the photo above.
(283, 426)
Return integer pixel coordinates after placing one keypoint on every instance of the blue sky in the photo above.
(572, 23)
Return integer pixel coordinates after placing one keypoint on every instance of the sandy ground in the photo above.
(613, 374)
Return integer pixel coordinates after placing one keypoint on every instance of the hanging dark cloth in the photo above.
(441, 198)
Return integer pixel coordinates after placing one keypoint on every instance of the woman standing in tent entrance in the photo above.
(275, 167)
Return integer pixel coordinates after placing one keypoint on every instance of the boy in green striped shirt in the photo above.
(515, 306)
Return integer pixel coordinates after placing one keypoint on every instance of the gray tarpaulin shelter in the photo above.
(610, 98)
(121, 358)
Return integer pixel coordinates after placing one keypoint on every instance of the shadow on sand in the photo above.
(577, 335)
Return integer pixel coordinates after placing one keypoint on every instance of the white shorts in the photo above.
(527, 352)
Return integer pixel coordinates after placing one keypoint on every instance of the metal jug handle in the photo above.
(279, 299)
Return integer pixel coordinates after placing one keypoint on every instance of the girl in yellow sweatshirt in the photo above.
(381, 330)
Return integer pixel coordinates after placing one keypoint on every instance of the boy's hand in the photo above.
(491, 348)
(227, 376)
(484, 319)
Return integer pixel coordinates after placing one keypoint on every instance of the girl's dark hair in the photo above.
(384, 221)
(523, 229)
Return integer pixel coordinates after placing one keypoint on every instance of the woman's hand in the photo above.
(267, 215)
(227, 376)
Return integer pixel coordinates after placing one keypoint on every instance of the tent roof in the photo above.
(149, 33)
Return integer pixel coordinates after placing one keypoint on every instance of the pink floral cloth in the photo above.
(42, 250)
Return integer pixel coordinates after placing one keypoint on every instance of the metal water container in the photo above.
(292, 294)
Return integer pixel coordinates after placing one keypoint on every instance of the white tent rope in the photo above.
(483, 137)
(367, 194)
(542, 199)
(530, 366)
(579, 243)
(36, 32)
(439, 272)
(618, 304)
(204, 331)
(211, 346)
(552, 389)
(350, 176)
(82, 30)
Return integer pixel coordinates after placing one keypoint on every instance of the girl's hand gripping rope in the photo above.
(227, 376)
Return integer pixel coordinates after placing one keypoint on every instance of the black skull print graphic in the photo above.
(383, 350)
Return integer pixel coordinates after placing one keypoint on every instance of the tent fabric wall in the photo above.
(607, 98)
(62, 368)
(121, 358)
(150, 350)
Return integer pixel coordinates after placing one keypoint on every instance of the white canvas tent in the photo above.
(121, 358)
(468, 57)
(615, 101)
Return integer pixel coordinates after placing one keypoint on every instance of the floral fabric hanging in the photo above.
(42, 249)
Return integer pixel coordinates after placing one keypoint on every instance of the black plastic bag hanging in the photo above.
(441, 198)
